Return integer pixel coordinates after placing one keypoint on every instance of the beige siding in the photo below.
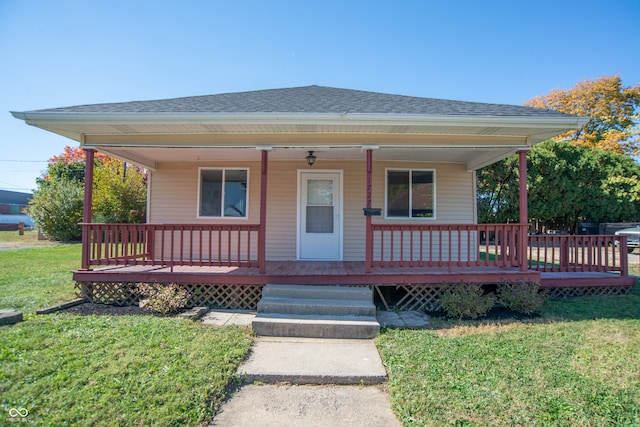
(174, 198)
(174, 193)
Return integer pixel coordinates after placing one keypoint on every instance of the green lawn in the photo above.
(577, 365)
(71, 370)
(38, 277)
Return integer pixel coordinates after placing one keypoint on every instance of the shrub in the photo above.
(466, 300)
(521, 297)
(163, 298)
(120, 193)
(56, 208)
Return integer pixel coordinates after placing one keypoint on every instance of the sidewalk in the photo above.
(310, 381)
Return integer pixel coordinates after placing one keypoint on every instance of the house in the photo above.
(320, 185)
(12, 206)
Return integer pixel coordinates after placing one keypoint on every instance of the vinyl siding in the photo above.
(174, 199)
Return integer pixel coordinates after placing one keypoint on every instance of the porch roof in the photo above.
(339, 121)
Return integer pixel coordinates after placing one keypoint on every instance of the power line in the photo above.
(24, 161)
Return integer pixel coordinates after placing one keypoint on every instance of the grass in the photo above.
(69, 370)
(117, 370)
(577, 365)
(36, 277)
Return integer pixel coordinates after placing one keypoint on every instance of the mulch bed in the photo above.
(495, 314)
(87, 309)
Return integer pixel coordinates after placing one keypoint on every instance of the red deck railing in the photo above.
(392, 245)
(448, 245)
(564, 253)
(171, 245)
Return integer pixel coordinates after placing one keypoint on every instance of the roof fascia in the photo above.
(45, 118)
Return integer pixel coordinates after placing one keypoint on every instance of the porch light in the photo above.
(311, 159)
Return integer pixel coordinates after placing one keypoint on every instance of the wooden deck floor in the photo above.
(344, 272)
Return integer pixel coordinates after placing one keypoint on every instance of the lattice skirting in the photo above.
(588, 291)
(426, 297)
(244, 297)
(423, 297)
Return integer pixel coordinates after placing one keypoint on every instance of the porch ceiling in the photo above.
(472, 157)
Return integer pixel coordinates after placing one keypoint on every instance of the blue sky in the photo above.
(59, 53)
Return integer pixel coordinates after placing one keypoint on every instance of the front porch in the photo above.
(223, 267)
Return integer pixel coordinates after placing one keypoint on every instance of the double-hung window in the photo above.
(411, 193)
(223, 193)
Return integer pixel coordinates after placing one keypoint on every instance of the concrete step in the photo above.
(315, 326)
(316, 306)
(297, 360)
(316, 312)
(317, 291)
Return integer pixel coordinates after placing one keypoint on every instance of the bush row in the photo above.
(469, 300)
(465, 300)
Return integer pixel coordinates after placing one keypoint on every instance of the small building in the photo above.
(12, 208)
(315, 185)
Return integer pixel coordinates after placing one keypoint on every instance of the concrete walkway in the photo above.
(309, 381)
(306, 405)
(313, 361)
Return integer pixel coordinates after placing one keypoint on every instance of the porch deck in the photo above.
(346, 273)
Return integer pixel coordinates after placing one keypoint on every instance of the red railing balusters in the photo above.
(180, 244)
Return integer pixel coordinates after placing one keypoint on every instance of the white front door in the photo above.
(320, 215)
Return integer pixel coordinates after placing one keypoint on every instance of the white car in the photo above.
(633, 237)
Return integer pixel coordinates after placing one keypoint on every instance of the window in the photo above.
(411, 193)
(223, 193)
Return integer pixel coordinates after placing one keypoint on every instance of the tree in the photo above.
(119, 194)
(70, 165)
(497, 187)
(613, 112)
(57, 209)
(567, 184)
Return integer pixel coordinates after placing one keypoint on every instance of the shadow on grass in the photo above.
(621, 307)
(595, 307)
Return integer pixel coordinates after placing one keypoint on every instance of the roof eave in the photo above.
(46, 118)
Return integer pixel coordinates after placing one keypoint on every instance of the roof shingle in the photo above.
(310, 99)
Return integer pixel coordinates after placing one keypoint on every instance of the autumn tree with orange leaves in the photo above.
(613, 111)
(586, 175)
(119, 194)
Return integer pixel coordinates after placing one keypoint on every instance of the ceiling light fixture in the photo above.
(311, 159)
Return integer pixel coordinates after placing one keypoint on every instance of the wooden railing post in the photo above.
(624, 257)
(564, 254)
(524, 210)
(262, 232)
(369, 231)
(150, 242)
(86, 247)
(87, 208)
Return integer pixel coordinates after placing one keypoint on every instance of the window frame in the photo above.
(386, 194)
(224, 174)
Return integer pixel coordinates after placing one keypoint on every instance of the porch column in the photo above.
(262, 232)
(524, 210)
(87, 209)
(369, 232)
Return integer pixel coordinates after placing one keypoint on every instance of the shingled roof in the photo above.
(312, 100)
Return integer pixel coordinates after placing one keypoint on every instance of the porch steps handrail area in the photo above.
(170, 244)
